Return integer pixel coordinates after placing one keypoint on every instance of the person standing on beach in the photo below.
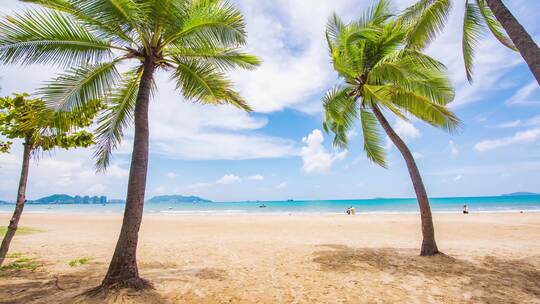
(465, 209)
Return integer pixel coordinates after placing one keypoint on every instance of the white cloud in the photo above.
(289, 37)
(458, 177)
(417, 155)
(533, 121)
(527, 136)
(171, 175)
(406, 130)
(523, 95)
(281, 185)
(229, 179)
(256, 177)
(315, 157)
(453, 149)
(183, 130)
(510, 124)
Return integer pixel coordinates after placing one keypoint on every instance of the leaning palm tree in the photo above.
(195, 41)
(380, 74)
(429, 17)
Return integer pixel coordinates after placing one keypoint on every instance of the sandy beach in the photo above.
(488, 258)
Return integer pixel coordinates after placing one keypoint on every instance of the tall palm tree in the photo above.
(196, 41)
(379, 73)
(41, 129)
(431, 15)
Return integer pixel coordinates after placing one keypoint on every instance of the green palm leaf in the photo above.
(109, 30)
(494, 26)
(223, 59)
(425, 19)
(80, 85)
(49, 37)
(201, 82)
(473, 27)
(116, 118)
(340, 114)
(216, 22)
(372, 138)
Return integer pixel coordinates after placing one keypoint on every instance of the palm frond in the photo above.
(223, 58)
(80, 85)
(494, 25)
(372, 138)
(425, 19)
(110, 30)
(425, 110)
(202, 82)
(217, 22)
(340, 112)
(49, 37)
(334, 27)
(116, 118)
(473, 27)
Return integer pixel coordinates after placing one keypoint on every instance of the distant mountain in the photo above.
(3, 203)
(177, 199)
(68, 199)
(520, 194)
(55, 198)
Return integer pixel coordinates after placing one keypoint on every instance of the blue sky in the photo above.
(279, 151)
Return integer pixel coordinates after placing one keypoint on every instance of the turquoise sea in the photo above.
(530, 203)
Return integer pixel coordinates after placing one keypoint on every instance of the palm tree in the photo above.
(41, 129)
(431, 15)
(196, 41)
(380, 74)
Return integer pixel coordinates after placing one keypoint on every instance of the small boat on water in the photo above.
(262, 206)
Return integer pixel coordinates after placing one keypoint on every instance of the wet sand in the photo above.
(488, 258)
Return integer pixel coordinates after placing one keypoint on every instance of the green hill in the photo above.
(177, 199)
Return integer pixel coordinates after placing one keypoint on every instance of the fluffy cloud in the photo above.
(406, 130)
(256, 177)
(526, 136)
(524, 95)
(315, 157)
(229, 179)
(171, 175)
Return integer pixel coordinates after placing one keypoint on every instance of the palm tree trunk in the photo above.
(123, 270)
(429, 246)
(522, 40)
(21, 198)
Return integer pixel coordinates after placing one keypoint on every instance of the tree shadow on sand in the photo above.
(488, 280)
(40, 286)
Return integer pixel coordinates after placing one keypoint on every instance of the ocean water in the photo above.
(387, 205)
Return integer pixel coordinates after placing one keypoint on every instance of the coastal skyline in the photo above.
(223, 154)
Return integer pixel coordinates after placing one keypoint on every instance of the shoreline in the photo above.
(268, 213)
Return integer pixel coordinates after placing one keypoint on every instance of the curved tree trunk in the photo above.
(123, 271)
(429, 246)
(522, 40)
(21, 198)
